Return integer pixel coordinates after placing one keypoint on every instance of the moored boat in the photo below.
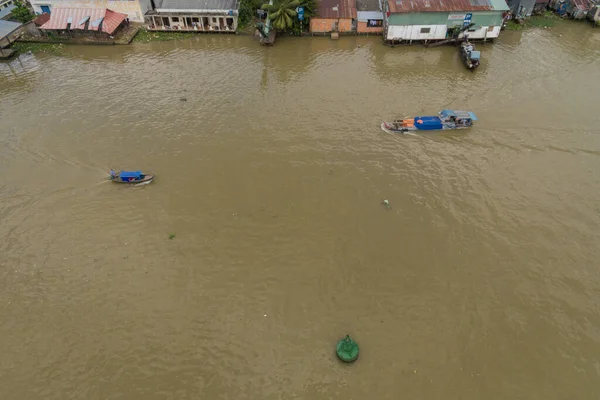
(469, 56)
(445, 120)
(130, 177)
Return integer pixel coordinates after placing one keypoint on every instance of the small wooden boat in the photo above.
(131, 177)
(445, 120)
(469, 56)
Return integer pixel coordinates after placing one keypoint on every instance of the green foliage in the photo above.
(248, 12)
(513, 26)
(282, 13)
(21, 13)
(172, 236)
(50, 48)
(310, 10)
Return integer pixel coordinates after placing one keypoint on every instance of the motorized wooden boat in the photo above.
(445, 120)
(469, 56)
(131, 177)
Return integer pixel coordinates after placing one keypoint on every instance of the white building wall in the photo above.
(416, 32)
(484, 32)
(436, 32)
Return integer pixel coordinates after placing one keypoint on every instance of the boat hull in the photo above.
(386, 127)
(446, 120)
(146, 179)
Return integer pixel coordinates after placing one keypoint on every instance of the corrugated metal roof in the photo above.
(499, 5)
(368, 5)
(8, 27)
(582, 4)
(408, 6)
(60, 16)
(5, 11)
(42, 19)
(224, 5)
(364, 16)
(336, 9)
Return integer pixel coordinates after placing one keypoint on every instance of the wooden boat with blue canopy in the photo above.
(130, 177)
(469, 56)
(445, 120)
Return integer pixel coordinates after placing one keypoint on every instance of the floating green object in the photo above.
(347, 349)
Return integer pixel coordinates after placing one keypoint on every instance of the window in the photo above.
(425, 30)
(175, 19)
(374, 23)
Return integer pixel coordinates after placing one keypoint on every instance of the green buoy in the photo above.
(347, 349)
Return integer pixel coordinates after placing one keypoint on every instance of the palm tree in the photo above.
(282, 13)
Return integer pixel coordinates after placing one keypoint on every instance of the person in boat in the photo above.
(112, 174)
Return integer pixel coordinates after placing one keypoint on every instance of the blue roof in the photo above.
(5, 11)
(8, 27)
(130, 174)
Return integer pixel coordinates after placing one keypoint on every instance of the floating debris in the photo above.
(172, 236)
(387, 204)
(182, 99)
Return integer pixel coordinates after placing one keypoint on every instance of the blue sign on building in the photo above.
(300, 11)
(467, 20)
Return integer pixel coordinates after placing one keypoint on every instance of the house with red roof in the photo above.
(334, 16)
(99, 23)
(135, 9)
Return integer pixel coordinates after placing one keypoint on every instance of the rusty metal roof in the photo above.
(584, 5)
(368, 5)
(327, 9)
(100, 19)
(407, 6)
(41, 19)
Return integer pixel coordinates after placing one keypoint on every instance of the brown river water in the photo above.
(481, 282)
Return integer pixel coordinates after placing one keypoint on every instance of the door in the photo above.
(45, 9)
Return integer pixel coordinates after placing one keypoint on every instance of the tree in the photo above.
(21, 12)
(282, 13)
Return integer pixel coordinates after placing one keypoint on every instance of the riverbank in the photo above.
(145, 36)
(545, 20)
(56, 49)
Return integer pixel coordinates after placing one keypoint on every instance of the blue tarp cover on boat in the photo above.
(428, 123)
(475, 55)
(125, 175)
